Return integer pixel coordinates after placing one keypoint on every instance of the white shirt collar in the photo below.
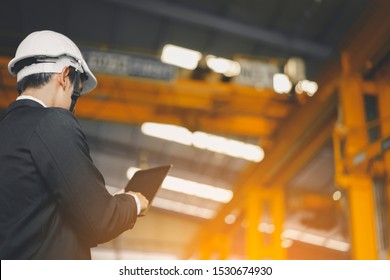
(20, 97)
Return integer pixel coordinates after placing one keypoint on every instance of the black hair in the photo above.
(41, 79)
(33, 81)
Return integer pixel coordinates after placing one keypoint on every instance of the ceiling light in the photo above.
(313, 239)
(183, 208)
(230, 219)
(298, 88)
(307, 86)
(266, 228)
(188, 187)
(228, 147)
(204, 141)
(291, 234)
(281, 83)
(295, 69)
(168, 132)
(336, 195)
(197, 189)
(337, 245)
(224, 66)
(287, 243)
(180, 57)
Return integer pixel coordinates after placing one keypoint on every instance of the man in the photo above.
(53, 200)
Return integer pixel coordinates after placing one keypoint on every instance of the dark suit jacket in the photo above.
(53, 200)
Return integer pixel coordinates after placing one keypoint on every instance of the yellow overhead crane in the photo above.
(198, 105)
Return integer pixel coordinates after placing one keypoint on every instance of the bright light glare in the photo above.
(312, 239)
(130, 172)
(230, 219)
(224, 66)
(191, 188)
(181, 57)
(337, 245)
(228, 147)
(295, 69)
(315, 240)
(197, 189)
(266, 228)
(337, 195)
(287, 243)
(204, 141)
(281, 83)
(168, 132)
(183, 208)
(291, 234)
(309, 87)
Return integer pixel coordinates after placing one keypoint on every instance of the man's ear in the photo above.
(63, 78)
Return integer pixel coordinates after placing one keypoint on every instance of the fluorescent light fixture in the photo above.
(168, 132)
(228, 147)
(315, 239)
(312, 239)
(183, 208)
(180, 56)
(291, 234)
(337, 245)
(224, 66)
(281, 83)
(204, 141)
(192, 188)
(197, 189)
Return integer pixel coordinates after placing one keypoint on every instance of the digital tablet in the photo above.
(148, 181)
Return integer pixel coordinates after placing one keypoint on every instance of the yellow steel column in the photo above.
(384, 113)
(265, 245)
(277, 213)
(205, 247)
(222, 242)
(351, 114)
(352, 123)
(253, 214)
(362, 213)
(216, 246)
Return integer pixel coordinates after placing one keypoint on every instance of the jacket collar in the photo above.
(23, 103)
(31, 98)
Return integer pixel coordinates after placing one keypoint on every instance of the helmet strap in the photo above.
(75, 93)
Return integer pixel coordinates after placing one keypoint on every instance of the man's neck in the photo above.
(45, 94)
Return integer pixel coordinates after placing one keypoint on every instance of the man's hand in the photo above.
(142, 199)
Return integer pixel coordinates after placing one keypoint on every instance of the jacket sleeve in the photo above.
(61, 153)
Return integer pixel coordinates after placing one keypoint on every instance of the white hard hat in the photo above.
(52, 52)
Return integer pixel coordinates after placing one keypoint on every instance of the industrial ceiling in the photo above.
(313, 30)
